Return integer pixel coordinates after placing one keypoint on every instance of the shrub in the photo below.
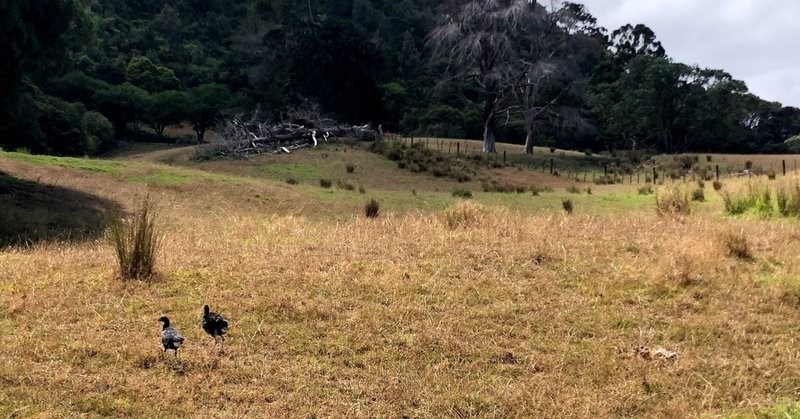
(789, 201)
(673, 201)
(325, 183)
(771, 174)
(748, 165)
(136, 242)
(520, 189)
(566, 203)
(292, 181)
(736, 204)
(701, 184)
(345, 185)
(350, 168)
(361, 190)
(698, 195)
(708, 158)
(717, 185)
(462, 193)
(574, 189)
(736, 245)
(372, 209)
(588, 190)
(462, 214)
(605, 180)
(646, 190)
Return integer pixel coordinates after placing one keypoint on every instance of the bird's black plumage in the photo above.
(214, 324)
(170, 337)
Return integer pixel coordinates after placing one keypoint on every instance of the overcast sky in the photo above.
(757, 41)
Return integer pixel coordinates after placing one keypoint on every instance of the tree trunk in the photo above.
(201, 132)
(488, 137)
(529, 141)
(159, 129)
(489, 124)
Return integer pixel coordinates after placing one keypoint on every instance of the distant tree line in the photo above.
(81, 74)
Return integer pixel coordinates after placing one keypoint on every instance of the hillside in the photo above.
(500, 307)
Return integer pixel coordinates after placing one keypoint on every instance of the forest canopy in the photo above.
(78, 75)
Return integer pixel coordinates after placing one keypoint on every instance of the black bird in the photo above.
(170, 337)
(214, 324)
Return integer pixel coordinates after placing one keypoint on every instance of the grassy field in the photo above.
(501, 306)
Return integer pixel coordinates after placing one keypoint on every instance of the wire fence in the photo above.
(603, 173)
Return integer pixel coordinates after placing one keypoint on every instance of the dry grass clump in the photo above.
(372, 208)
(673, 201)
(566, 203)
(736, 245)
(136, 242)
(463, 214)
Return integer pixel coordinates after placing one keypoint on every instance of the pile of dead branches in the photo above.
(242, 138)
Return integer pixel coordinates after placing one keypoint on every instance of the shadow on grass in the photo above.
(31, 212)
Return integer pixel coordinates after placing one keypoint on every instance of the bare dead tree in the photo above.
(478, 40)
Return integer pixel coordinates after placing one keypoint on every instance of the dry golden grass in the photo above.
(504, 316)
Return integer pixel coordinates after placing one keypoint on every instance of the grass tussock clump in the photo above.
(646, 190)
(566, 203)
(372, 209)
(345, 185)
(462, 193)
(463, 214)
(673, 201)
(351, 168)
(717, 185)
(736, 245)
(325, 183)
(292, 181)
(136, 242)
(574, 190)
(698, 195)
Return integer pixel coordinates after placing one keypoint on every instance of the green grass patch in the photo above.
(109, 167)
(303, 172)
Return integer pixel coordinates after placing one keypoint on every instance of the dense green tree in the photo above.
(141, 72)
(100, 132)
(335, 65)
(122, 105)
(30, 44)
(206, 104)
(167, 108)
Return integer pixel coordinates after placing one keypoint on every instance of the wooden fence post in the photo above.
(717, 168)
(784, 167)
(458, 148)
(551, 165)
(504, 160)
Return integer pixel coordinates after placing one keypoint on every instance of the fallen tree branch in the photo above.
(239, 138)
